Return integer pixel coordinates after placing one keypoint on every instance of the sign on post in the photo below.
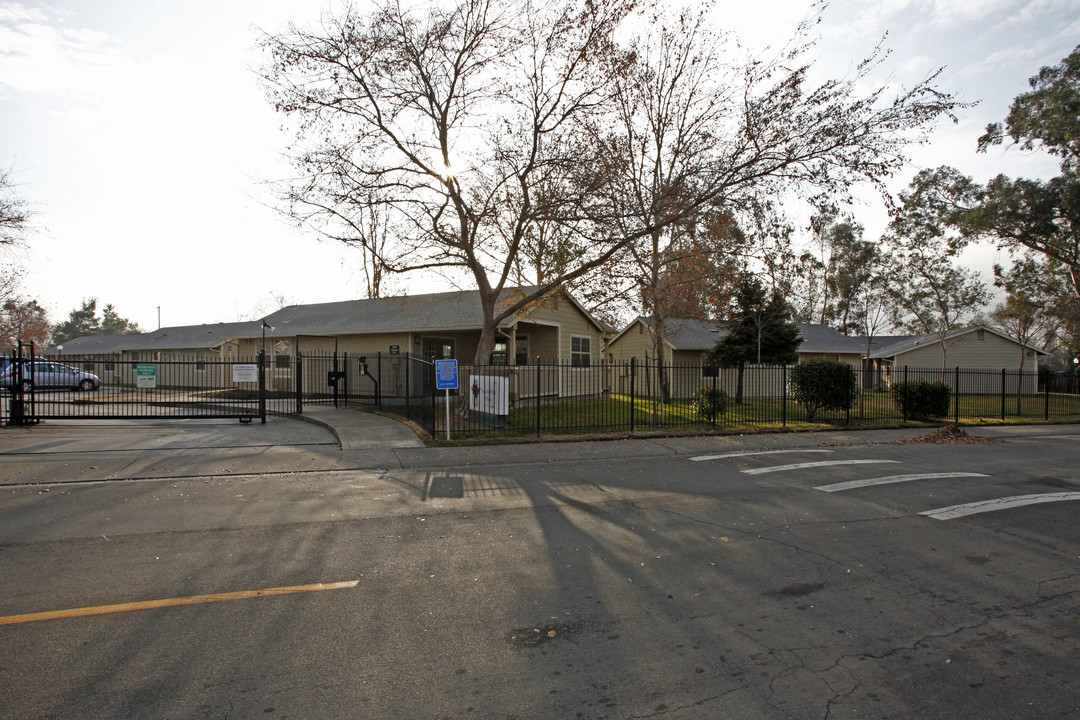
(146, 376)
(446, 378)
(245, 372)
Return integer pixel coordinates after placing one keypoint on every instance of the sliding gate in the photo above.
(33, 389)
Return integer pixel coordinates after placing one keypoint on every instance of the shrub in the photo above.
(710, 403)
(823, 385)
(921, 400)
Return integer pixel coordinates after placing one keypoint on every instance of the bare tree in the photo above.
(475, 125)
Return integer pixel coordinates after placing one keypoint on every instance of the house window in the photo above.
(980, 334)
(580, 351)
(500, 355)
(521, 350)
(282, 362)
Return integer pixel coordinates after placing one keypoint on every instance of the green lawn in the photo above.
(618, 413)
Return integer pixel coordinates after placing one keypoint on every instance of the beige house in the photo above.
(980, 352)
(390, 334)
(686, 346)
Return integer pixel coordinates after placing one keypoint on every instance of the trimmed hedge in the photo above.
(823, 385)
(921, 400)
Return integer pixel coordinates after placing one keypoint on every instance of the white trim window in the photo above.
(580, 351)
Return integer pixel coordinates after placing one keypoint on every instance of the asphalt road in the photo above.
(631, 579)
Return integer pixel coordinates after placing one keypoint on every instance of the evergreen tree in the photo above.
(84, 321)
(760, 331)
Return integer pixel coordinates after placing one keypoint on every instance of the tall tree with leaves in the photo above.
(84, 321)
(1043, 216)
(1033, 289)
(760, 330)
(23, 320)
(475, 123)
(932, 294)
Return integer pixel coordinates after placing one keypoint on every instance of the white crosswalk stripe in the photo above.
(958, 511)
(822, 463)
(889, 479)
(702, 458)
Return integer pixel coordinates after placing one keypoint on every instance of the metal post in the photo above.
(262, 386)
(633, 379)
(783, 395)
(345, 364)
(1046, 390)
(1003, 394)
(538, 380)
(408, 407)
(378, 383)
(714, 398)
(905, 408)
(299, 383)
(956, 393)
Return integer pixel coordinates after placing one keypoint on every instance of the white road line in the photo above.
(823, 463)
(701, 458)
(838, 487)
(958, 511)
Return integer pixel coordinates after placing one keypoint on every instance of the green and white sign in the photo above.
(146, 376)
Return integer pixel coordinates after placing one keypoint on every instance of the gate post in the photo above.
(262, 386)
(1003, 394)
(633, 377)
(299, 383)
(956, 391)
(905, 410)
(783, 396)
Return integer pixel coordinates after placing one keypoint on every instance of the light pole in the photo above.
(265, 326)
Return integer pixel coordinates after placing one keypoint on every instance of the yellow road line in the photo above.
(172, 602)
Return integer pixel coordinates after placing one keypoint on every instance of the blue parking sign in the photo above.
(446, 377)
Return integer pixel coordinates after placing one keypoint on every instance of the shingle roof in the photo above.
(185, 337)
(459, 310)
(891, 347)
(824, 339)
(695, 334)
(689, 333)
(436, 311)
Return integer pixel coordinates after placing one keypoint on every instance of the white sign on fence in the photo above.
(490, 394)
(245, 373)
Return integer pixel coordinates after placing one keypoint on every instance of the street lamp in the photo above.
(265, 326)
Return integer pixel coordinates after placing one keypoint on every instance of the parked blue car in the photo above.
(48, 374)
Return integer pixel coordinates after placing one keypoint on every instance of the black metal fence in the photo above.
(88, 388)
(544, 398)
(561, 398)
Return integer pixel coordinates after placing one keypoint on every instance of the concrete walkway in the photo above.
(358, 430)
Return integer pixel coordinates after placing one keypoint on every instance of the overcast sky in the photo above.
(139, 131)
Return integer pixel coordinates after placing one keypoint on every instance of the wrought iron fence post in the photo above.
(262, 386)
(633, 379)
(714, 399)
(345, 364)
(849, 381)
(783, 396)
(378, 384)
(1003, 394)
(538, 380)
(408, 387)
(1046, 390)
(434, 404)
(905, 408)
(956, 394)
(299, 383)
